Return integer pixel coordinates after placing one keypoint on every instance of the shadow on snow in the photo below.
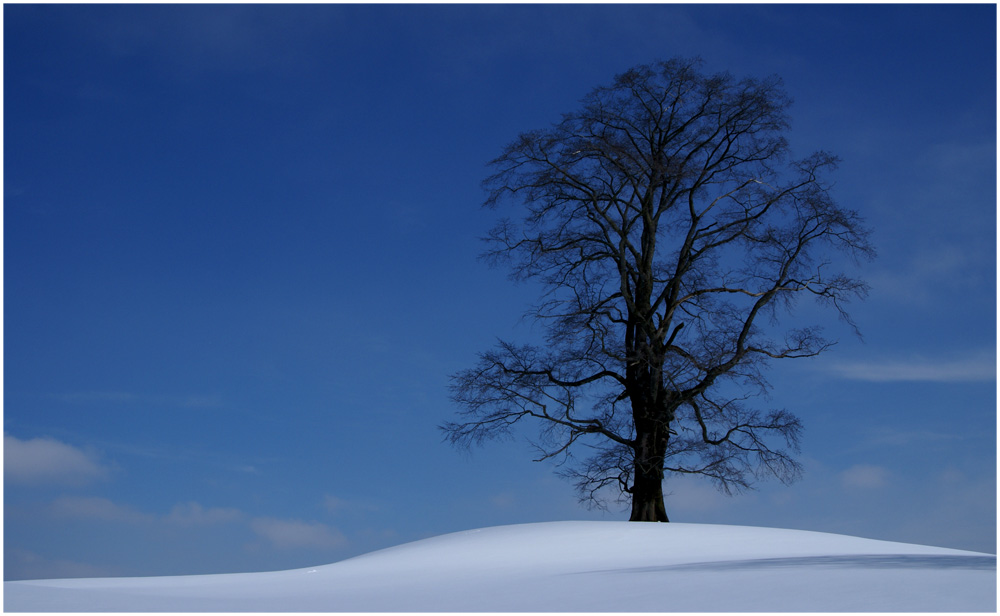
(862, 561)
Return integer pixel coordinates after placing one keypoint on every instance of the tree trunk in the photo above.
(647, 484)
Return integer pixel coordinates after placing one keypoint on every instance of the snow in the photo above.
(575, 567)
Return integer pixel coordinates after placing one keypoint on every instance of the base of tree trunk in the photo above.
(648, 510)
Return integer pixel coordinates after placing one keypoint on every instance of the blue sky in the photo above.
(240, 263)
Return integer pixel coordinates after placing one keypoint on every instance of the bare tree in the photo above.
(670, 230)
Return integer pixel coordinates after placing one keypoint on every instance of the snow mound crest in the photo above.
(572, 566)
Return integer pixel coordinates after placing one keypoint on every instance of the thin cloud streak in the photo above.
(336, 505)
(865, 477)
(22, 564)
(284, 534)
(979, 368)
(280, 533)
(97, 508)
(193, 514)
(46, 461)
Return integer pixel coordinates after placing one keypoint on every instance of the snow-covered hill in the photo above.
(571, 566)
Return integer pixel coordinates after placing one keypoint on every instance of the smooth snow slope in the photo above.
(572, 566)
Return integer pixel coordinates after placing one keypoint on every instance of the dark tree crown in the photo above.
(672, 232)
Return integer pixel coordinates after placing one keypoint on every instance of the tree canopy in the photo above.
(671, 231)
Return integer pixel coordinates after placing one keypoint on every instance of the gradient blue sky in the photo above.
(240, 263)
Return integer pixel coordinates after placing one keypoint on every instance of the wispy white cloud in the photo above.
(978, 367)
(504, 500)
(191, 520)
(20, 564)
(46, 461)
(336, 504)
(696, 495)
(865, 476)
(105, 510)
(235, 38)
(97, 508)
(93, 396)
(285, 534)
(193, 514)
(962, 513)
(280, 533)
(894, 437)
(922, 278)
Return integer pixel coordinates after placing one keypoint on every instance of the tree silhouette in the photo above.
(670, 231)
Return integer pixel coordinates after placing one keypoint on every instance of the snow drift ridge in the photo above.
(572, 566)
